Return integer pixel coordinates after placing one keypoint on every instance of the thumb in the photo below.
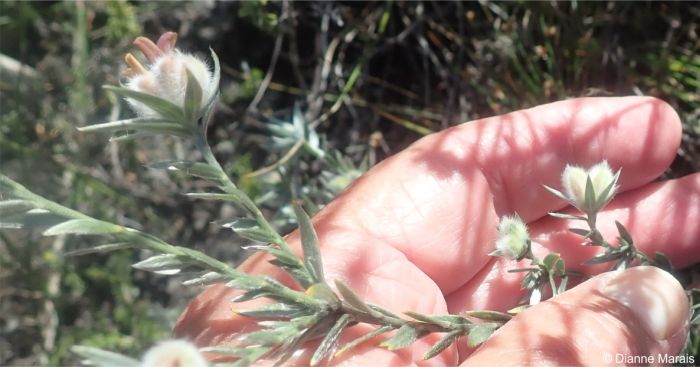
(639, 316)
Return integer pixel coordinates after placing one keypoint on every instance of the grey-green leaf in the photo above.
(309, 244)
(662, 261)
(566, 216)
(590, 195)
(193, 99)
(12, 207)
(585, 233)
(249, 228)
(83, 227)
(164, 263)
(443, 343)
(405, 336)
(139, 124)
(34, 218)
(604, 258)
(330, 341)
(624, 234)
(353, 299)
(490, 315)
(355, 342)
(273, 310)
(103, 358)
(479, 333)
(164, 107)
(197, 169)
(206, 279)
(99, 249)
(557, 193)
(215, 196)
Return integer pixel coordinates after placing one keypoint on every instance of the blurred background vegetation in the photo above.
(358, 80)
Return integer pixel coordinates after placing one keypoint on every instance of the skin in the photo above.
(415, 231)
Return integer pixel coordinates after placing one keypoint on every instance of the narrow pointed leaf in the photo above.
(215, 196)
(249, 228)
(298, 272)
(624, 234)
(12, 207)
(193, 99)
(490, 315)
(405, 336)
(216, 79)
(251, 294)
(557, 193)
(383, 311)
(197, 169)
(479, 333)
(207, 279)
(99, 249)
(34, 218)
(589, 197)
(83, 227)
(443, 343)
(603, 258)
(663, 262)
(519, 309)
(603, 196)
(316, 328)
(581, 232)
(273, 310)
(421, 317)
(164, 262)
(126, 135)
(353, 299)
(103, 358)
(567, 216)
(330, 341)
(165, 108)
(446, 321)
(355, 342)
(245, 282)
(309, 244)
(139, 124)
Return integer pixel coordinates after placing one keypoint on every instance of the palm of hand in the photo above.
(414, 233)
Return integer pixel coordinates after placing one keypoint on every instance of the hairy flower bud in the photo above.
(165, 76)
(173, 353)
(513, 240)
(603, 185)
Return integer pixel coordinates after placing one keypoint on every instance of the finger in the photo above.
(660, 217)
(641, 313)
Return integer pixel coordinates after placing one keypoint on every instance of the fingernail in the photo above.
(654, 296)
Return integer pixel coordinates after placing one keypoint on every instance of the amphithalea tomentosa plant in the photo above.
(174, 93)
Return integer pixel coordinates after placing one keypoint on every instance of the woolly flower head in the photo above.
(603, 182)
(513, 240)
(173, 353)
(165, 75)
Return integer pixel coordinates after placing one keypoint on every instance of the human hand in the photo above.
(414, 233)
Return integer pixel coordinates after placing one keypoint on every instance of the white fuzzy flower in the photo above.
(574, 180)
(165, 76)
(174, 353)
(513, 240)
